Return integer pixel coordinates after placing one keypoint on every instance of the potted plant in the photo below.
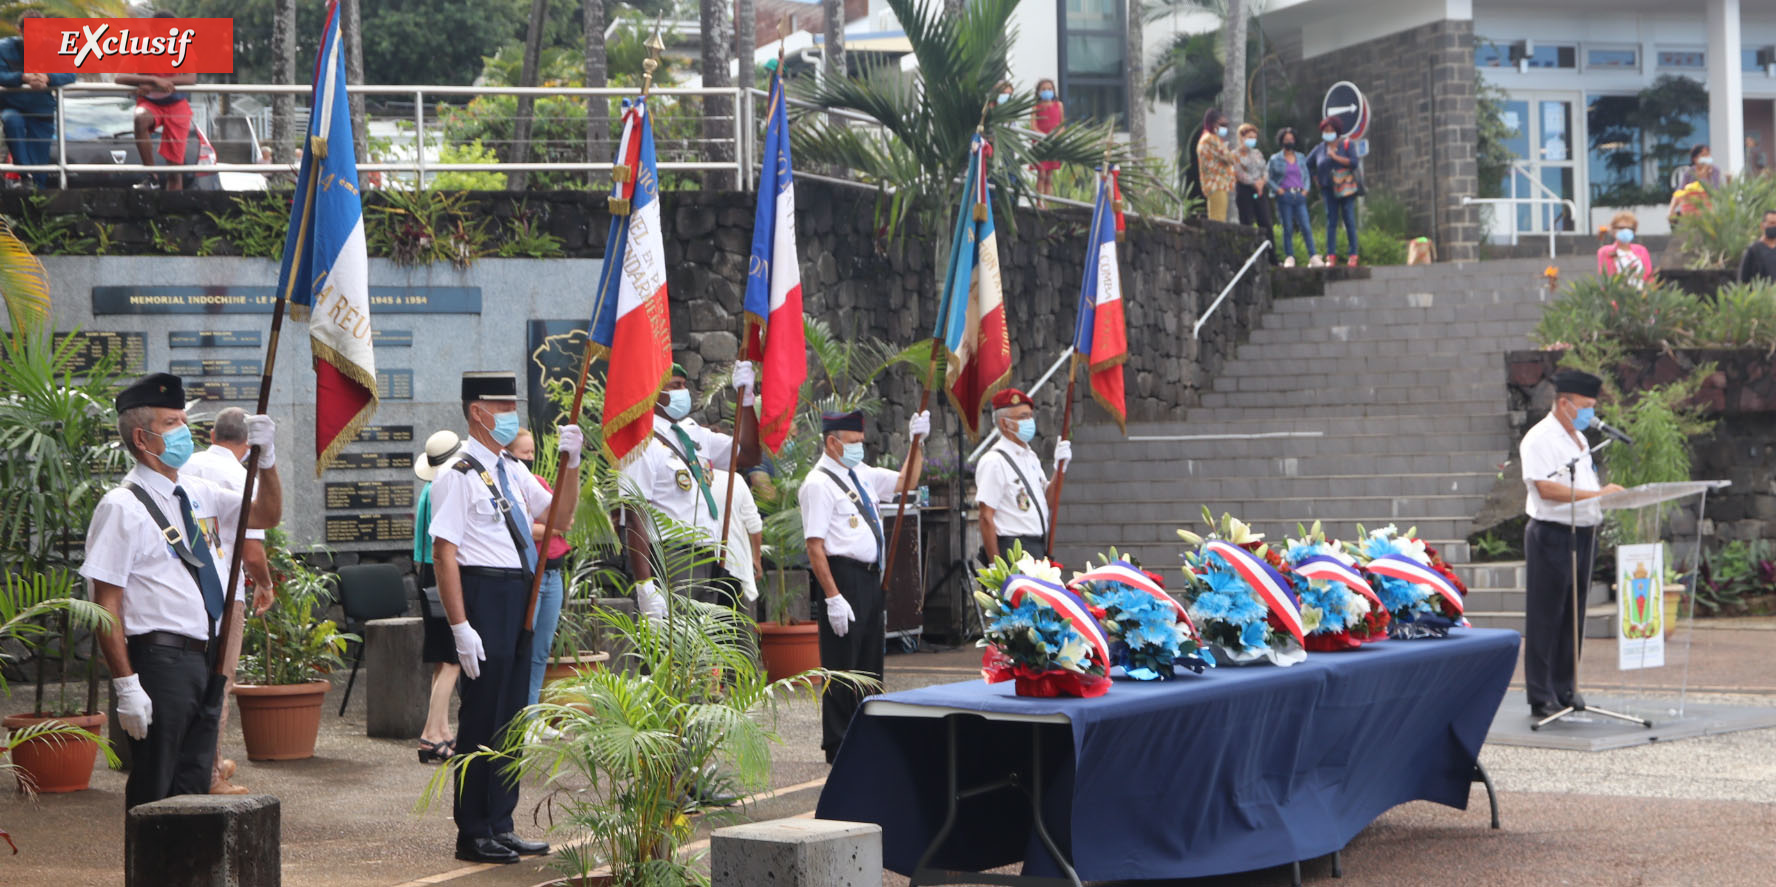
(47, 754)
(279, 686)
(575, 647)
(687, 715)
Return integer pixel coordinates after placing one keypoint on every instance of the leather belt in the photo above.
(169, 639)
(554, 563)
(493, 572)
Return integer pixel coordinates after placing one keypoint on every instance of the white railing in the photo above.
(1197, 328)
(1547, 197)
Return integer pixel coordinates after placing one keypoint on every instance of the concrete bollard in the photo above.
(203, 841)
(398, 684)
(797, 853)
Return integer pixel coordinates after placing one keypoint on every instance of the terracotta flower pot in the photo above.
(789, 650)
(563, 667)
(280, 722)
(56, 763)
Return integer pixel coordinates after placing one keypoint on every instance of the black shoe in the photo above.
(512, 842)
(484, 850)
(1574, 701)
(1541, 712)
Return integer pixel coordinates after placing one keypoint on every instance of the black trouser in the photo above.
(861, 649)
(495, 605)
(1034, 546)
(1549, 655)
(1254, 209)
(176, 756)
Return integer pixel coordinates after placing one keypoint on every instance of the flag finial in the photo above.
(654, 47)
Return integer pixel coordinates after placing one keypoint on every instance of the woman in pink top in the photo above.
(1621, 255)
(1046, 118)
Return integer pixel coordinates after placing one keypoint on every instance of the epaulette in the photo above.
(461, 466)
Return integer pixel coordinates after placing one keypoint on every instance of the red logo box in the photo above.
(129, 45)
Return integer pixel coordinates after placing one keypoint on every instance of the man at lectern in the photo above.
(1563, 519)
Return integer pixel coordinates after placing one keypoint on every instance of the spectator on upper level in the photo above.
(28, 113)
(1759, 262)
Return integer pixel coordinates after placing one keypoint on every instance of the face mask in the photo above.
(853, 455)
(1625, 235)
(505, 427)
(1221, 131)
(1704, 160)
(1003, 98)
(1770, 232)
(678, 403)
(1047, 95)
(1582, 419)
(1290, 144)
(529, 463)
(1251, 143)
(178, 447)
(1328, 136)
(1026, 429)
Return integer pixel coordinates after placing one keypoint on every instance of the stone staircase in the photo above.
(1381, 401)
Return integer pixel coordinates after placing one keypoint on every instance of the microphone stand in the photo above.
(1575, 704)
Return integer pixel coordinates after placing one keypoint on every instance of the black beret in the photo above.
(1577, 382)
(831, 422)
(493, 385)
(153, 390)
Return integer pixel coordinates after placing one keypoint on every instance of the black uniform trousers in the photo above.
(1548, 637)
(1034, 546)
(176, 755)
(495, 601)
(861, 649)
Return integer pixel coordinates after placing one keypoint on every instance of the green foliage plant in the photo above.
(1614, 308)
(525, 237)
(420, 226)
(258, 224)
(293, 642)
(46, 233)
(472, 152)
(1716, 234)
(1743, 316)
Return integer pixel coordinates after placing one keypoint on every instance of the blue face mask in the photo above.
(853, 455)
(678, 403)
(1047, 95)
(178, 447)
(1582, 419)
(1251, 143)
(1026, 429)
(1221, 131)
(1003, 98)
(505, 427)
(1328, 136)
(1625, 235)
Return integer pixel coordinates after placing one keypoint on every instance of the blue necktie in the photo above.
(869, 511)
(206, 571)
(527, 553)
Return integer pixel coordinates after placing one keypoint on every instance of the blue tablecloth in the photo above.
(1233, 770)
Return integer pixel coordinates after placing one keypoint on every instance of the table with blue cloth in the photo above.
(1232, 770)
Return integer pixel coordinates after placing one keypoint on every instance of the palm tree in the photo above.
(352, 27)
(1136, 54)
(597, 109)
(926, 120)
(1233, 78)
(745, 37)
(833, 19)
(718, 113)
(283, 107)
(521, 121)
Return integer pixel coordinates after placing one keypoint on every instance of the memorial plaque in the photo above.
(394, 384)
(224, 391)
(214, 339)
(130, 349)
(370, 528)
(215, 366)
(391, 338)
(259, 300)
(349, 460)
(369, 494)
(385, 434)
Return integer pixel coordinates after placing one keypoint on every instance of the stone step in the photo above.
(1426, 411)
(1116, 483)
(1599, 620)
(1235, 466)
(1296, 349)
(1489, 600)
(1327, 379)
(1354, 395)
(1568, 265)
(1503, 575)
(1485, 336)
(1430, 308)
(1296, 444)
(1364, 361)
(1226, 426)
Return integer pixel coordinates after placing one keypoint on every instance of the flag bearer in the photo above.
(1010, 488)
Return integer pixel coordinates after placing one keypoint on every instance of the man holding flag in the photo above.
(1010, 488)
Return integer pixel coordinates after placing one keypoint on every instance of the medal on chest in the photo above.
(1023, 501)
(683, 478)
(854, 522)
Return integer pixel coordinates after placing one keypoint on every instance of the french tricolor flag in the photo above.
(774, 337)
(1067, 604)
(1405, 568)
(1266, 581)
(1327, 568)
(631, 324)
(1100, 337)
(971, 313)
(1128, 574)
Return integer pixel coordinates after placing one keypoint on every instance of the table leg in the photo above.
(1036, 806)
(1338, 863)
(1295, 873)
(1491, 792)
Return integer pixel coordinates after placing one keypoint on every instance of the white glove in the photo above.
(649, 600)
(571, 440)
(262, 433)
(1063, 454)
(469, 651)
(744, 382)
(919, 427)
(839, 615)
(135, 711)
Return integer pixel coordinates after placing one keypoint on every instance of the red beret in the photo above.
(1010, 397)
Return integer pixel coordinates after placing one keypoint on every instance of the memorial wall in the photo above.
(208, 319)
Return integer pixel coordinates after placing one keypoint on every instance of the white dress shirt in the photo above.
(1016, 511)
(125, 548)
(219, 466)
(1546, 449)
(661, 476)
(465, 514)
(745, 521)
(829, 514)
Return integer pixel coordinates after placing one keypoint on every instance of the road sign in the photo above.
(1345, 102)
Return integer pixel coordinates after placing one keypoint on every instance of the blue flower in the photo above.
(1254, 635)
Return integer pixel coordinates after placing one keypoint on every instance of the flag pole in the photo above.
(573, 418)
(1060, 478)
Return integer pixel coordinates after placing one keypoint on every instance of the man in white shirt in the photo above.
(669, 473)
(847, 550)
(1010, 488)
(153, 560)
(1563, 519)
(220, 464)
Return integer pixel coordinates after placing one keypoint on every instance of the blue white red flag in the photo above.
(1266, 581)
(1100, 337)
(774, 338)
(1125, 573)
(631, 323)
(971, 314)
(1330, 569)
(325, 273)
(1066, 603)
(1402, 567)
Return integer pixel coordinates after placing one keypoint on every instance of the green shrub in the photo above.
(473, 152)
(1732, 217)
(1612, 308)
(1744, 316)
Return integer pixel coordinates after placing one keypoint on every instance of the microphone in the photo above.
(1617, 435)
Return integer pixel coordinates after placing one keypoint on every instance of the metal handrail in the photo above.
(1194, 330)
(1549, 198)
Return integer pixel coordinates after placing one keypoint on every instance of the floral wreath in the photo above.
(1420, 590)
(1150, 632)
(1240, 598)
(1037, 633)
(1331, 585)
